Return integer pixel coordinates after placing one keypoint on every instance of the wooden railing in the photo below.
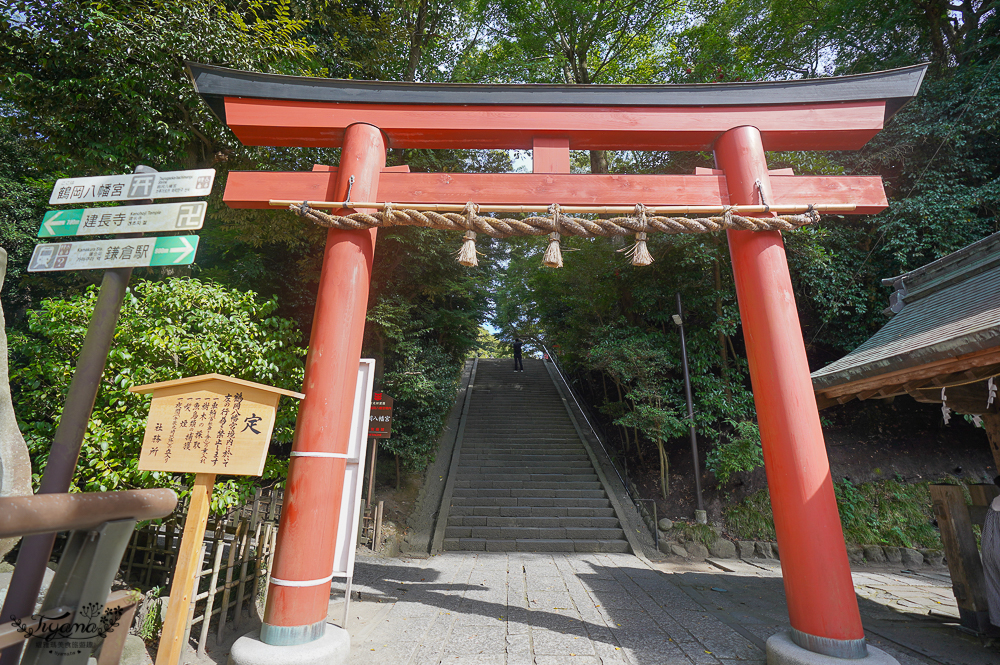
(101, 523)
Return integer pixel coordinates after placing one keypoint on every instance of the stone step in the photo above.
(521, 484)
(521, 464)
(529, 492)
(534, 533)
(501, 477)
(555, 459)
(530, 501)
(531, 511)
(504, 448)
(533, 545)
(536, 522)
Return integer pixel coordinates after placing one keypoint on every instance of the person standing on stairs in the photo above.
(518, 365)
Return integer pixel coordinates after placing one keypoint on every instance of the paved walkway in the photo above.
(514, 608)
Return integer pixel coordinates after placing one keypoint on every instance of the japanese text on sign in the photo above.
(119, 253)
(126, 219)
(380, 417)
(171, 184)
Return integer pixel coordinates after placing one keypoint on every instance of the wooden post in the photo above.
(172, 639)
(822, 606)
(964, 564)
(991, 421)
(227, 588)
(371, 474)
(298, 596)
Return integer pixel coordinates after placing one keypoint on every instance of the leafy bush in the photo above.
(882, 512)
(742, 452)
(751, 518)
(167, 330)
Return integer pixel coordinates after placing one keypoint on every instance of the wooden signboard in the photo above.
(209, 424)
(205, 425)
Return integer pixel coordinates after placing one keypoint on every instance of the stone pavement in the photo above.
(514, 608)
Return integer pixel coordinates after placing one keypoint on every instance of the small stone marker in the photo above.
(205, 425)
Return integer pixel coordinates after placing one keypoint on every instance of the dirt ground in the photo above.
(398, 504)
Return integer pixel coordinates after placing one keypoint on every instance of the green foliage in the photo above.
(167, 330)
(101, 85)
(887, 512)
(881, 512)
(741, 452)
(152, 625)
(696, 533)
(425, 317)
(488, 346)
(751, 518)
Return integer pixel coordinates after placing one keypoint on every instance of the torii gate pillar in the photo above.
(299, 593)
(822, 606)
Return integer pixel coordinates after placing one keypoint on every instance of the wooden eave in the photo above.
(945, 332)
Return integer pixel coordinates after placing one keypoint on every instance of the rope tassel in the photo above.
(553, 253)
(467, 255)
(639, 253)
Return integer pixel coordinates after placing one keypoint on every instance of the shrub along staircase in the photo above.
(524, 479)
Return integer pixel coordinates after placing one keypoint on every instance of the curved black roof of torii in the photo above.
(895, 86)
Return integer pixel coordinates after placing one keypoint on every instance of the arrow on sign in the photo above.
(55, 218)
(51, 223)
(183, 251)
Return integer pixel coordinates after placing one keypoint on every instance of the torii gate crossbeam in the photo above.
(737, 121)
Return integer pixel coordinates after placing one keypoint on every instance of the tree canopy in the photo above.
(91, 87)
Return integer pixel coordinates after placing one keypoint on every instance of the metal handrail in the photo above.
(46, 513)
(572, 393)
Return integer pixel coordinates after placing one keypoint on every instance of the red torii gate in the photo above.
(738, 121)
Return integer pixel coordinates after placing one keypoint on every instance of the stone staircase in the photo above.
(525, 481)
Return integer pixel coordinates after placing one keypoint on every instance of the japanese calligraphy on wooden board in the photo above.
(209, 424)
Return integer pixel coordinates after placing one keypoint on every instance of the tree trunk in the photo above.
(398, 485)
(991, 422)
(598, 161)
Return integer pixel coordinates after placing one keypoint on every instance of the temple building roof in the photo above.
(944, 331)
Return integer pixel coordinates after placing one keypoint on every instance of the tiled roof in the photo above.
(944, 309)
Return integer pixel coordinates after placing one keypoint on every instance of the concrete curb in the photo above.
(437, 543)
(420, 525)
(781, 650)
(334, 648)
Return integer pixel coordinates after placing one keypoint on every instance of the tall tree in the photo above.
(589, 41)
(102, 85)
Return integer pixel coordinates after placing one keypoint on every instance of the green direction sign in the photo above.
(126, 219)
(119, 253)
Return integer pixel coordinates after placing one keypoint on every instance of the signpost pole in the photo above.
(371, 474)
(36, 550)
(172, 638)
